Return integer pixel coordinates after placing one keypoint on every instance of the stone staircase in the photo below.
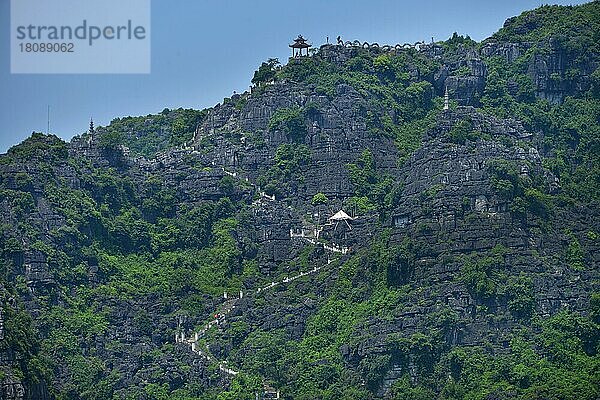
(220, 314)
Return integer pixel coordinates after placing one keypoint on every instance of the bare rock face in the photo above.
(551, 71)
(36, 270)
(509, 51)
(13, 390)
(334, 133)
(467, 88)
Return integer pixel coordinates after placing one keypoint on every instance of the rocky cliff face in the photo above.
(462, 234)
(450, 210)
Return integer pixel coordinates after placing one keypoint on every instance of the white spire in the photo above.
(446, 100)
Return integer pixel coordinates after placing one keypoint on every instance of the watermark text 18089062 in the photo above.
(47, 47)
(71, 36)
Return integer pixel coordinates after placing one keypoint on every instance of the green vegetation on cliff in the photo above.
(473, 274)
(150, 134)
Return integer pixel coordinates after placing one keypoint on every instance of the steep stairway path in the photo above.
(194, 341)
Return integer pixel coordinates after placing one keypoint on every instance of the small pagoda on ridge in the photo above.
(298, 45)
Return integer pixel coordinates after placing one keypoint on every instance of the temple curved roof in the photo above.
(300, 43)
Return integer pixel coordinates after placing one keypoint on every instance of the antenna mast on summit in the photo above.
(48, 121)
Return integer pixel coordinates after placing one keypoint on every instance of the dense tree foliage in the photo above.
(152, 133)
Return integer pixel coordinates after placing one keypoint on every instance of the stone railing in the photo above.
(331, 247)
(230, 304)
(385, 47)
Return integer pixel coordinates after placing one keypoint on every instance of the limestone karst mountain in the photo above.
(335, 233)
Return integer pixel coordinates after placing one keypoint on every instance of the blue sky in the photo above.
(202, 51)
